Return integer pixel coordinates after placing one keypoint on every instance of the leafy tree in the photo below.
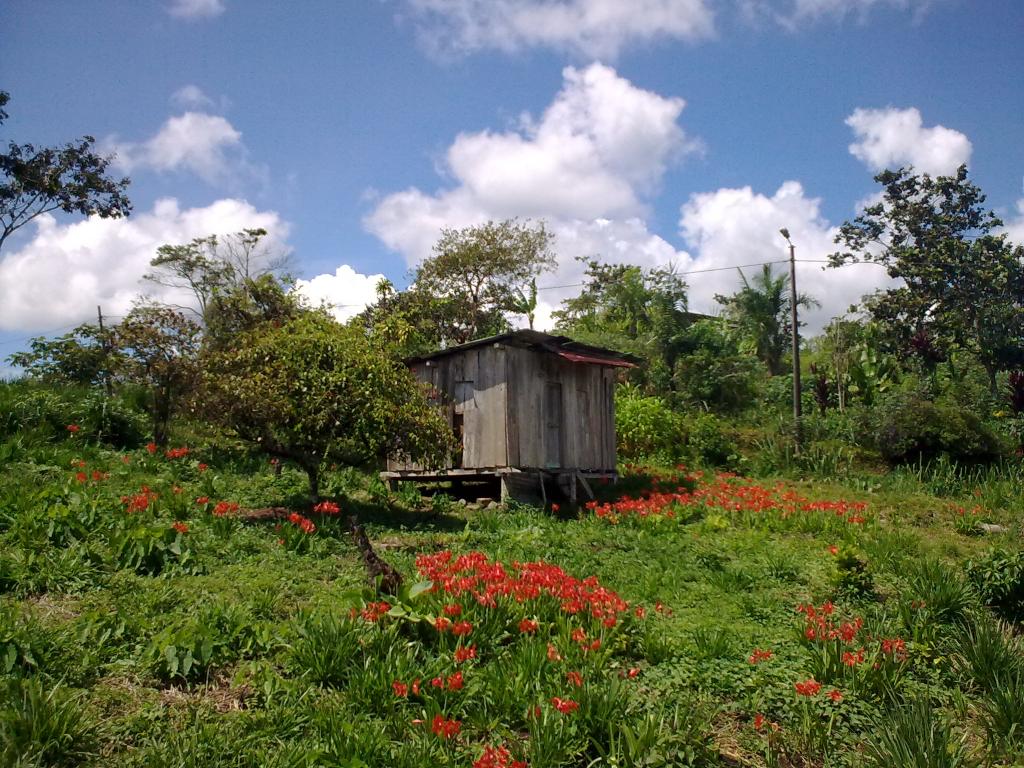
(481, 273)
(761, 308)
(712, 372)
(86, 355)
(311, 389)
(159, 348)
(71, 178)
(961, 285)
(639, 311)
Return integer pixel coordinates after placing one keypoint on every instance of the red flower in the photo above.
(203, 500)
(565, 706)
(446, 729)
(497, 757)
(224, 508)
(555, 508)
(73, 428)
(81, 477)
(835, 695)
(97, 475)
(808, 687)
(202, 467)
(758, 721)
(442, 624)
(151, 447)
(528, 626)
(327, 508)
(437, 682)
(462, 628)
(758, 656)
(574, 678)
(578, 635)
(180, 527)
(553, 654)
(455, 682)
(453, 609)
(176, 453)
(833, 550)
(465, 654)
(401, 689)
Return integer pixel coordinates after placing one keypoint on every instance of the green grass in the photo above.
(126, 643)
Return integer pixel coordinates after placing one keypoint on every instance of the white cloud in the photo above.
(591, 28)
(597, 150)
(890, 138)
(738, 226)
(1015, 226)
(191, 97)
(59, 276)
(346, 292)
(196, 9)
(794, 15)
(207, 145)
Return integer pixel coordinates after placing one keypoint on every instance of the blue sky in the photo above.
(653, 131)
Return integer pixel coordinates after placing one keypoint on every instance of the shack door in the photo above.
(553, 425)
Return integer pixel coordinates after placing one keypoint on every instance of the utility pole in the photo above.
(106, 348)
(797, 410)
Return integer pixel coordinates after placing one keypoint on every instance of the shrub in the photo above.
(999, 579)
(325, 648)
(946, 597)
(647, 428)
(1002, 712)
(905, 428)
(986, 651)
(707, 442)
(47, 412)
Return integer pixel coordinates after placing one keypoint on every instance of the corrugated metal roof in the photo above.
(543, 342)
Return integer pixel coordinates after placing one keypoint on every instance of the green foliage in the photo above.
(707, 442)
(987, 652)
(851, 577)
(999, 578)
(914, 736)
(1002, 712)
(903, 427)
(712, 372)
(761, 308)
(947, 598)
(311, 390)
(647, 428)
(962, 286)
(325, 647)
(46, 412)
(42, 726)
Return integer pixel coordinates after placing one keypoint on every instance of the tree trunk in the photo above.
(382, 575)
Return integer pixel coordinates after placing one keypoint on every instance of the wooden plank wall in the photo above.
(473, 384)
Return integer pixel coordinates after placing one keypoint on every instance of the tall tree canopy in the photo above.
(625, 307)
(479, 275)
(961, 283)
(310, 390)
(762, 311)
(70, 178)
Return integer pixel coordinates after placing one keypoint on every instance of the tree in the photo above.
(761, 309)
(159, 348)
(311, 389)
(219, 270)
(961, 286)
(86, 356)
(639, 311)
(482, 273)
(71, 178)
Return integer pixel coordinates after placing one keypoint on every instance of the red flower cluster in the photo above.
(374, 611)
(528, 626)
(821, 627)
(475, 575)
(180, 527)
(728, 494)
(327, 508)
(176, 453)
(302, 523)
(73, 428)
(565, 706)
(462, 628)
(224, 508)
(151, 448)
(758, 656)
(140, 501)
(574, 678)
(497, 757)
(453, 683)
(446, 729)
(808, 687)
(465, 654)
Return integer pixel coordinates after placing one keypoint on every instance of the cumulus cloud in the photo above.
(203, 144)
(797, 14)
(346, 292)
(65, 270)
(196, 9)
(890, 138)
(740, 226)
(191, 97)
(1015, 225)
(591, 28)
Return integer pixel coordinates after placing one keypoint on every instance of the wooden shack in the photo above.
(531, 410)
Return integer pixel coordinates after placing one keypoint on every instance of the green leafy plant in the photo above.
(914, 736)
(43, 726)
(999, 579)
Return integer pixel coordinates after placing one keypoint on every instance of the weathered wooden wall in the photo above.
(586, 432)
(471, 384)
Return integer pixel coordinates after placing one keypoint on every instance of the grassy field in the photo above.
(149, 617)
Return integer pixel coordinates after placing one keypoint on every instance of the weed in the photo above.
(915, 736)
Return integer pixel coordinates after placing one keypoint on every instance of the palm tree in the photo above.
(761, 309)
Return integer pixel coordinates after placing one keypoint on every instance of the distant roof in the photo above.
(562, 346)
